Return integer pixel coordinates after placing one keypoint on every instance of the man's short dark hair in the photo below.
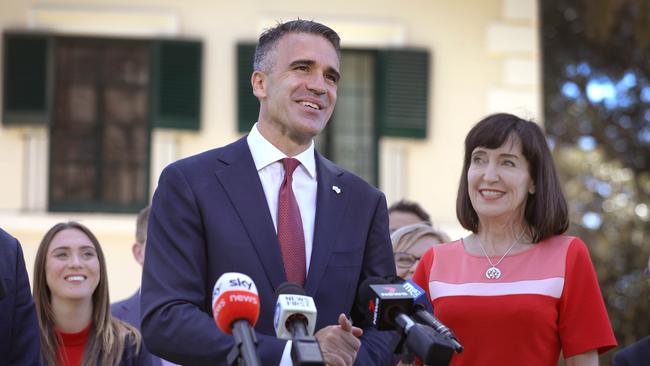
(546, 209)
(269, 39)
(141, 225)
(410, 207)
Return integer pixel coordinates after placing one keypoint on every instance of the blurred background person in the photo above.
(72, 303)
(404, 212)
(129, 310)
(516, 291)
(637, 354)
(19, 344)
(410, 242)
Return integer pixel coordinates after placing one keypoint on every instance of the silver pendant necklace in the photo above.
(494, 273)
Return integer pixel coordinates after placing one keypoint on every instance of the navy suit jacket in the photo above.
(209, 216)
(128, 310)
(19, 332)
(638, 354)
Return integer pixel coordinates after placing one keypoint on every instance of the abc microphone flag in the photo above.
(234, 297)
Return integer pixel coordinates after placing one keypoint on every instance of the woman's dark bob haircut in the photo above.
(546, 209)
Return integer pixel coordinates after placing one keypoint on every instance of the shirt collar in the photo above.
(264, 153)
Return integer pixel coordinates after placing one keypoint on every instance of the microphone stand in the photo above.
(424, 342)
(305, 350)
(243, 353)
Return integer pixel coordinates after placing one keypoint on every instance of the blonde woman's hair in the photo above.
(108, 336)
(406, 236)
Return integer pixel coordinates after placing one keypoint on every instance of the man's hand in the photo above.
(339, 343)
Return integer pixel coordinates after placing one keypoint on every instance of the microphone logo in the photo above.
(412, 290)
(234, 297)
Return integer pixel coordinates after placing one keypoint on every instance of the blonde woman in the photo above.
(410, 242)
(72, 303)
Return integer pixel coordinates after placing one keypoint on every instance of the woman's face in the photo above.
(72, 266)
(499, 183)
(407, 262)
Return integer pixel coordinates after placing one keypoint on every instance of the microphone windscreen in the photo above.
(366, 298)
(289, 288)
(293, 303)
(234, 297)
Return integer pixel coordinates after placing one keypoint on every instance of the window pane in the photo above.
(100, 133)
(350, 138)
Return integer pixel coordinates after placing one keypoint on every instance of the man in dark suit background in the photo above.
(19, 332)
(235, 209)
(637, 354)
(129, 309)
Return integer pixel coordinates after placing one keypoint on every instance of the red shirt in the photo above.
(546, 301)
(71, 349)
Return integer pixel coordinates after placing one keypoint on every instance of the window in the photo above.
(100, 97)
(99, 136)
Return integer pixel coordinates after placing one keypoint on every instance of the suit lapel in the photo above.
(330, 206)
(241, 183)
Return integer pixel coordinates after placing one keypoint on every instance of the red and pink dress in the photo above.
(547, 300)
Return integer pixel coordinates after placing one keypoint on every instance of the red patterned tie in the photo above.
(290, 233)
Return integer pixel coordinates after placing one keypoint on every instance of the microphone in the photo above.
(424, 313)
(295, 319)
(387, 306)
(236, 308)
(3, 290)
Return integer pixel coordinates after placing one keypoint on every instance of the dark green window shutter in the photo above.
(26, 81)
(402, 92)
(176, 96)
(248, 107)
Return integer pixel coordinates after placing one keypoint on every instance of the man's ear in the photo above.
(138, 252)
(258, 81)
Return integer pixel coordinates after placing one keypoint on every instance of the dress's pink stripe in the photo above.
(548, 287)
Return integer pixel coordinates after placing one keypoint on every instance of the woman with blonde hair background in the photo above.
(72, 303)
(410, 242)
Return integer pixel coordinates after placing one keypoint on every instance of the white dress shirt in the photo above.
(271, 172)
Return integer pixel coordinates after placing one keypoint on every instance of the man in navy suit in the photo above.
(129, 310)
(637, 354)
(222, 210)
(19, 333)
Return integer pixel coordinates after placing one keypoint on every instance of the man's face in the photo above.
(398, 219)
(298, 93)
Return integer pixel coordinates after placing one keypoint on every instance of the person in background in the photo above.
(517, 291)
(270, 206)
(129, 310)
(404, 213)
(19, 344)
(637, 354)
(72, 304)
(410, 242)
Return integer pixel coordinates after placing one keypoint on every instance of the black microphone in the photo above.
(295, 319)
(423, 312)
(387, 307)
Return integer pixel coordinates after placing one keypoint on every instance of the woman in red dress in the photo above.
(517, 291)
